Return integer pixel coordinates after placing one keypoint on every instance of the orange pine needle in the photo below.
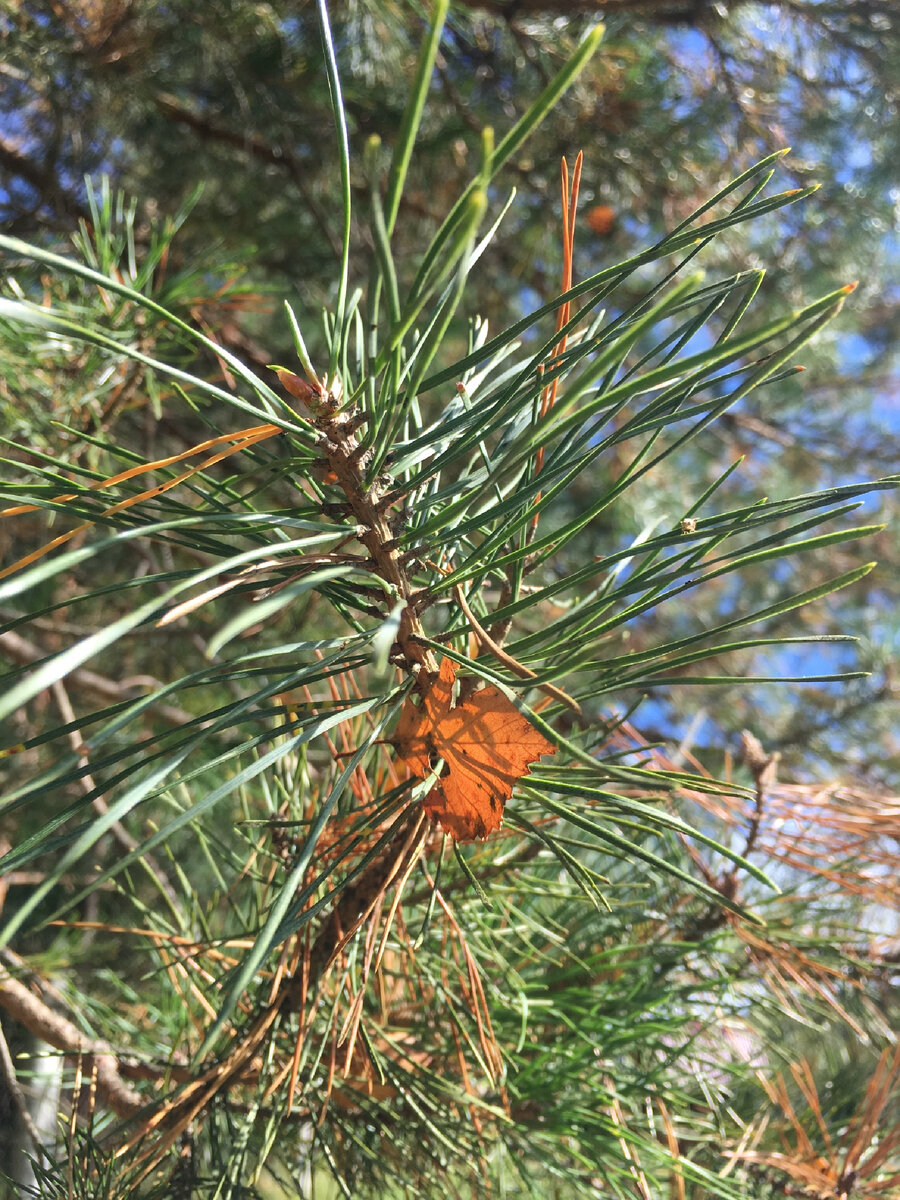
(569, 206)
(241, 440)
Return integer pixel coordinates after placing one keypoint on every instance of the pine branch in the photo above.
(23, 1005)
(370, 505)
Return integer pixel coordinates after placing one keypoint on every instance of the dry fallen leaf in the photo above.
(486, 744)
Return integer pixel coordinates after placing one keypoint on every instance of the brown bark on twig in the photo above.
(24, 1006)
(346, 459)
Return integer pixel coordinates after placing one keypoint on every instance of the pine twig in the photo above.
(369, 504)
(38, 1018)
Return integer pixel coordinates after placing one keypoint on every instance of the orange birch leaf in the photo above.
(486, 744)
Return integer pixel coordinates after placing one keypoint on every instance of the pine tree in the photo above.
(365, 872)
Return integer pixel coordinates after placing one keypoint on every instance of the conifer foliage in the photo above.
(360, 878)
